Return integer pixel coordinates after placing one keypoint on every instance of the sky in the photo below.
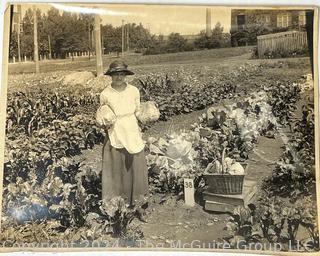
(161, 19)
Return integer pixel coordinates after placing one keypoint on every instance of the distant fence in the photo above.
(287, 41)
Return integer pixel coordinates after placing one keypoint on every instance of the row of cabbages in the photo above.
(223, 138)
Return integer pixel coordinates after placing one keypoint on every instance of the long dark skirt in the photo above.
(123, 174)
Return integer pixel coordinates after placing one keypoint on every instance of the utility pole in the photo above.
(122, 41)
(97, 30)
(102, 41)
(19, 31)
(309, 28)
(19, 50)
(125, 38)
(49, 45)
(92, 41)
(208, 22)
(35, 39)
(128, 29)
(89, 39)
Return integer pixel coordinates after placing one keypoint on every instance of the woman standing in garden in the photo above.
(124, 168)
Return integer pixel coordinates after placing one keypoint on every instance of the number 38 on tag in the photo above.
(189, 192)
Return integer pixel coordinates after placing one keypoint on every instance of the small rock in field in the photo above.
(154, 237)
(162, 237)
(210, 224)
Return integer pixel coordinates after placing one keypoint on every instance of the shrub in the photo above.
(281, 53)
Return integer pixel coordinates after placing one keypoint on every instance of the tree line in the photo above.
(61, 33)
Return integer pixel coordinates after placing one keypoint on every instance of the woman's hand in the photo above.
(108, 124)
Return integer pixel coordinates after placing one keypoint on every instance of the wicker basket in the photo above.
(225, 184)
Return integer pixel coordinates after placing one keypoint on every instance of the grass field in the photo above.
(133, 60)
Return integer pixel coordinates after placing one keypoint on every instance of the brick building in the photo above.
(272, 20)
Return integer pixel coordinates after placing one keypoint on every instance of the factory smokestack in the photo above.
(208, 22)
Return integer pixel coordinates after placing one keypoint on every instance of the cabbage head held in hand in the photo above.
(148, 112)
(105, 116)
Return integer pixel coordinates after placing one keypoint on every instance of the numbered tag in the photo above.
(189, 192)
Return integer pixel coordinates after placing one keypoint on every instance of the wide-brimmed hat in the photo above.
(118, 66)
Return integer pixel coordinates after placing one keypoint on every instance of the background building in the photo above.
(259, 22)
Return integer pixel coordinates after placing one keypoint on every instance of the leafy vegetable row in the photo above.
(175, 94)
(234, 129)
(175, 97)
(286, 203)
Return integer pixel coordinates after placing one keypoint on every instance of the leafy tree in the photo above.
(69, 33)
(158, 45)
(216, 40)
(13, 46)
(248, 35)
(26, 38)
(176, 43)
(202, 41)
(112, 38)
(216, 36)
(53, 29)
(139, 37)
(42, 35)
(87, 21)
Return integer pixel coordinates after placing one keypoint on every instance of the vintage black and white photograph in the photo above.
(160, 126)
